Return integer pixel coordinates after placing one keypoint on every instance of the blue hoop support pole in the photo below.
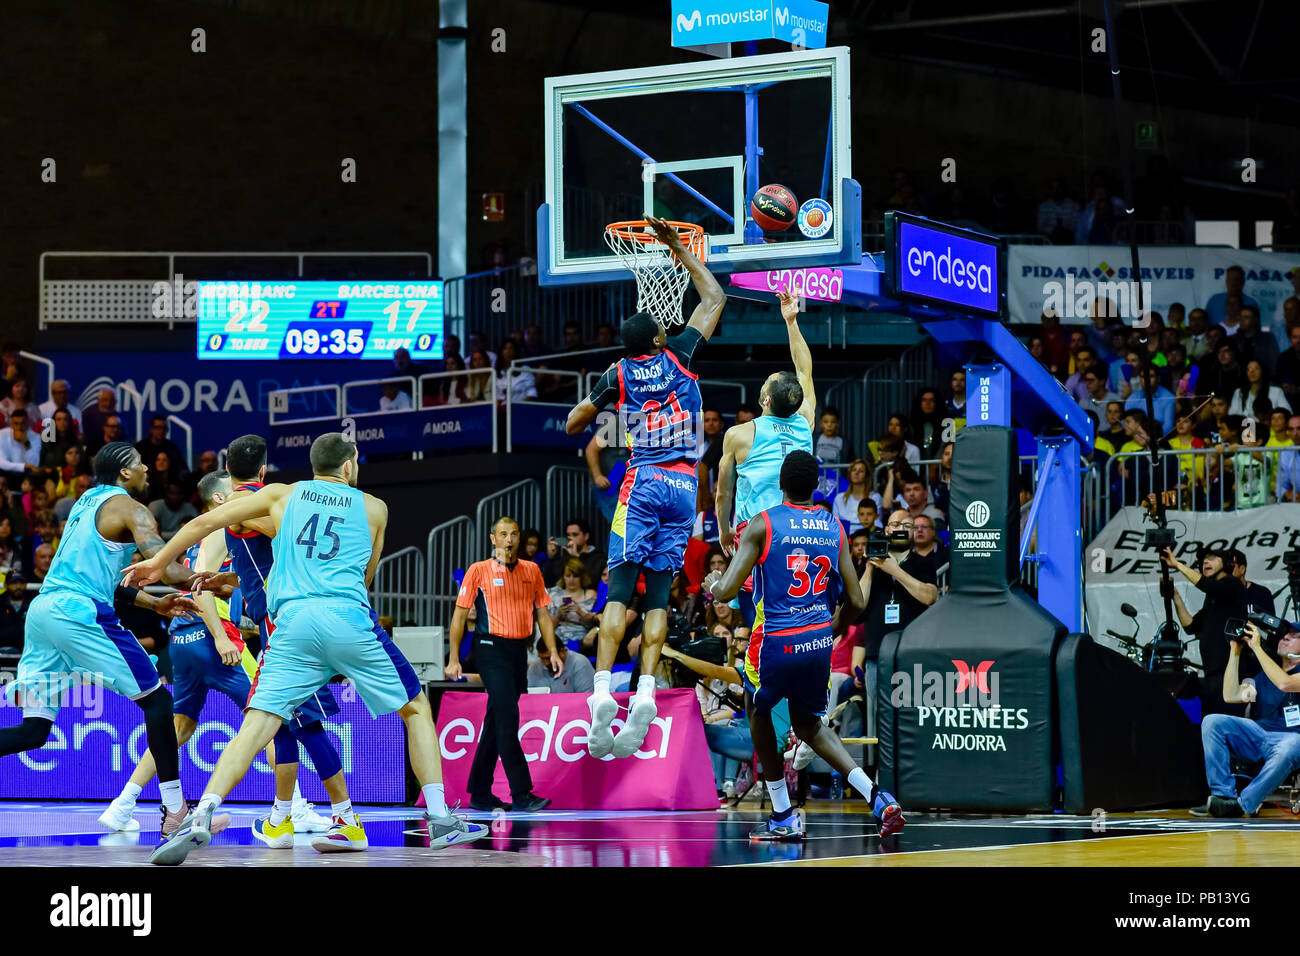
(1060, 539)
(637, 150)
(753, 231)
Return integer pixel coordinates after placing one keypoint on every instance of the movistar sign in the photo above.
(937, 264)
(798, 22)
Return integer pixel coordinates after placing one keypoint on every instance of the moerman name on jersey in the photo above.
(329, 501)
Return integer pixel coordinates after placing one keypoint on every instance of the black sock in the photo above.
(161, 733)
(31, 734)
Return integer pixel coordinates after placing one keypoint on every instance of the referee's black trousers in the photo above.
(503, 665)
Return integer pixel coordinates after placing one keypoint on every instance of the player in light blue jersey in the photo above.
(801, 562)
(72, 635)
(328, 539)
(752, 453)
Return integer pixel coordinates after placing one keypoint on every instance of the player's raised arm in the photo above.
(144, 530)
(232, 512)
(585, 412)
(800, 354)
(726, 496)
(747, 555)
(712, 299)
(377, 512)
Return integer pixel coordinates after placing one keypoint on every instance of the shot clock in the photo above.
(327, 320)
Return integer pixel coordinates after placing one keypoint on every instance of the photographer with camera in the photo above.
(1270, 734)
(1225, 600)
(1258, 598)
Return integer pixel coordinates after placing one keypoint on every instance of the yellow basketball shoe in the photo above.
(342, 837)
(276, 837)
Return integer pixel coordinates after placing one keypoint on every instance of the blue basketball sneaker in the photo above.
(887, 813)
(779, 830)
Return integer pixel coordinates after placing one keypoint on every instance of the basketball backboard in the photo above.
(693, 142)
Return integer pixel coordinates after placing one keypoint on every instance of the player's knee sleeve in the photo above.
(160, 729)
(320, 748)
(657, 586)
(286, 746)
(31, 734)
(622, 583)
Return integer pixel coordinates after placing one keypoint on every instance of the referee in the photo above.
(508, 595)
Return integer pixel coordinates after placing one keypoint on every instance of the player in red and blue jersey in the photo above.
(801, 562)
(657, 399)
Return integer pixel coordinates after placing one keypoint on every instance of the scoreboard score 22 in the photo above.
(328, 320)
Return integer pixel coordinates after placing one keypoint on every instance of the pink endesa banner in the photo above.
(671, 771)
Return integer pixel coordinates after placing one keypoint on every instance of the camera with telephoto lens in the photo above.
(878, 543)
(1272, 628)
(1158, 539)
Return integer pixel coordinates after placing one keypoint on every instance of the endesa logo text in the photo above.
(951, 269)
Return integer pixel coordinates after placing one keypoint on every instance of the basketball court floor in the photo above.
(68, 834)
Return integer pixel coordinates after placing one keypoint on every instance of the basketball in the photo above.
(774, 208)
(815, 218)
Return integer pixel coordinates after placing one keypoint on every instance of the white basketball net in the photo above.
(661, 279)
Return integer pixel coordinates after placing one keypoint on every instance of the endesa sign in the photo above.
(935, 264)
(823, 285)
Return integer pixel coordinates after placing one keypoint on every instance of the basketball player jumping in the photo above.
(72, 634)
(800, 561)
(325, 559)
(658, 396)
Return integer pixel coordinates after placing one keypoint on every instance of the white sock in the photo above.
(210, 801)
(601, 682)
(860, 782)
(780, 797)
(172, 797)
(645, 686)
(282, 809)
(297, 794)
(129, 795)
(344, 811)
(435, 799)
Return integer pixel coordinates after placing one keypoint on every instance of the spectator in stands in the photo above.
(1254, 342)
(747, 412)
(450, 390)
(66, 475)
(1037, 346)
(403, 366)
(956, 405)
(1288, 370)
(1287, 486)
(579, 546)
(95, 418)
(578, 676)
(1184, 439)
(926, 544)
(868, 516)
(394, 399)
(1056, 342)
(1269, 734)
(11, 558)
(572, 337)
(706, 468)
(928, 423)
(13, 611)
(522, 387)
(20, 393)
(1097, 220)
(59, 400)
(1212, 414)
(172, 510)
(41, 563)
(477, 385)
(535, 342)
(157, 441)
(205, 466)
(1195, 338)
(1178, 372)
(845, 506)
(1096, 396)
(12, 367)
(606, 466)
(941, 482)
(900, 427)
(1222, 374)
(572, 601)
(831, 445)
(109, 432)
(476, 344)
(1085, 360)
(606, 336)
(1058, 215)
(1256, 386)
(1234, 281)
(80, 485)
(915, 502)
(450, 347)
(706, 523)
(162, 471)
(46, 529)
(1113, 431)
(62, 437)
(1162, 400)
(20, 450)
(1287, 316)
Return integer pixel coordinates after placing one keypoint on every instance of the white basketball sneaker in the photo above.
(639, 717)
(306, 819)
(118, 817)
(600, 739)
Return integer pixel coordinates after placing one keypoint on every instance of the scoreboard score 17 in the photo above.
(327, 320)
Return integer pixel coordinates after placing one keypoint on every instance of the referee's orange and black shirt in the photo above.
(504, 597)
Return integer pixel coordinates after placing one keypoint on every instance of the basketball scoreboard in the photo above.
(326, 320)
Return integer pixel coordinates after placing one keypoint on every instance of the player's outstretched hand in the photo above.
(711, 581)
(789, 304)
(174, 605)
(667, 234)
(453, 671)
(226, 648)
(144, 572)
(220, 583)
(726, 539)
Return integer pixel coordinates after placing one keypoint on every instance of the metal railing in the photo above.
(488, 394)
(49, 368)
(404, 379)
(568, 495)
(189, 438)
(400, 590)
(278, 401)
(514, 372)
(450, 547)
(521, 501)
(1195, 478)
(885, 388)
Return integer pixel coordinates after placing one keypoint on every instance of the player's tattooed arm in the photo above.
(712, 299)
(144, 529)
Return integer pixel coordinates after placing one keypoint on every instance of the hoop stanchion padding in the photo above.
(661, 279)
